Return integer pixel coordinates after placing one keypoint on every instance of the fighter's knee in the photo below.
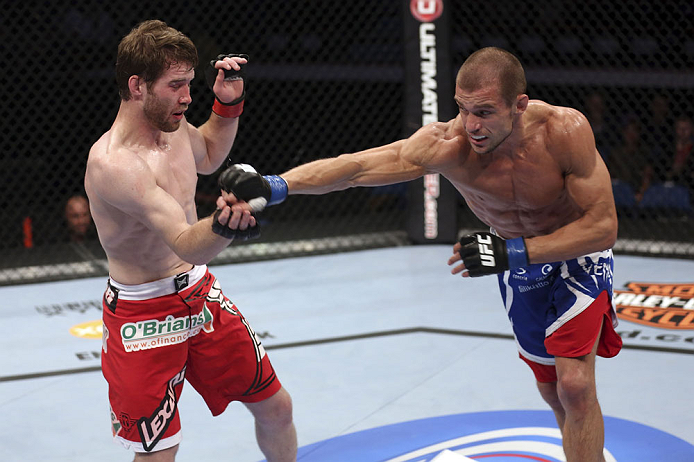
(283, 409)
(274, 411)
(165, 455)
(576, 389)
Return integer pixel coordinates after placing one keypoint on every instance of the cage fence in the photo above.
(327, 77)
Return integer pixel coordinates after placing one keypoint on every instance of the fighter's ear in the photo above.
(136, 85)
(521, 103)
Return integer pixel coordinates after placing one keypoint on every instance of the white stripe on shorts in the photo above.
(157, 288)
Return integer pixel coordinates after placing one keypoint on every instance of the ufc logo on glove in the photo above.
(484, 253)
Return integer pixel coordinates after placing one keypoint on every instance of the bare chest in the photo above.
(520, 182)
(175, 172)
(517, 195)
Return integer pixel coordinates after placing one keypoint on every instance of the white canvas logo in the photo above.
(524, 443)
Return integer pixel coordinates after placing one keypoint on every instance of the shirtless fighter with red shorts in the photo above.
(165, 316)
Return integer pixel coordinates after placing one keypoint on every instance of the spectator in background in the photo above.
(628, 158)
(658, 137)
(602, 124)
(681, 170)
(80, 226)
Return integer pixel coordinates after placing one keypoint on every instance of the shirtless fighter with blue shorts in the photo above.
(531, 172)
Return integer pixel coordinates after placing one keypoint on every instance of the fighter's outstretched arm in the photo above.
(382, 165)
(428, 150)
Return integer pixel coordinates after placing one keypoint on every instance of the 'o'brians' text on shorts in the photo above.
(158, 334)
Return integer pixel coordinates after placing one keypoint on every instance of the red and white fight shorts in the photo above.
(159, 333)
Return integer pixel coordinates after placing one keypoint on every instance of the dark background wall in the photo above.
(326, 77)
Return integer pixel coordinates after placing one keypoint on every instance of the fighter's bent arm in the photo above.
(212, 141)
(588, 184)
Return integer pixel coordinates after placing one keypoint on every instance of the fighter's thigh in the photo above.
(577, 374)
(579, 335)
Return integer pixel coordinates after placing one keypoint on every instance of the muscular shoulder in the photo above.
(568, 136)
(437, 143)
(560, 124)
(114, 171)
(439, 131)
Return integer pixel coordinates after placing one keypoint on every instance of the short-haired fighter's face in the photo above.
(487, 119)
(168, 97)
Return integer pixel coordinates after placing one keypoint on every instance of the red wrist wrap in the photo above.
(223, 110)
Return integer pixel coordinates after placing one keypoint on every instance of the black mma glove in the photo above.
(234, 108)
(248, 185)
(236, 234)
(484, 253)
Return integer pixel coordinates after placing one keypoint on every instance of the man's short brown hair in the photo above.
(491, 64)
(149, 50)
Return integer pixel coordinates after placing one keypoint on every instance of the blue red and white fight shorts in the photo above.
(560, 309)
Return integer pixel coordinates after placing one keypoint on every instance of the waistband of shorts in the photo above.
(166, 286)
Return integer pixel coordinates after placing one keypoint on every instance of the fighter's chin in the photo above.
(480, 149)
(170, 127)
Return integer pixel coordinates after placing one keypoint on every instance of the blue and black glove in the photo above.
(484, 253)
(248, 185)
